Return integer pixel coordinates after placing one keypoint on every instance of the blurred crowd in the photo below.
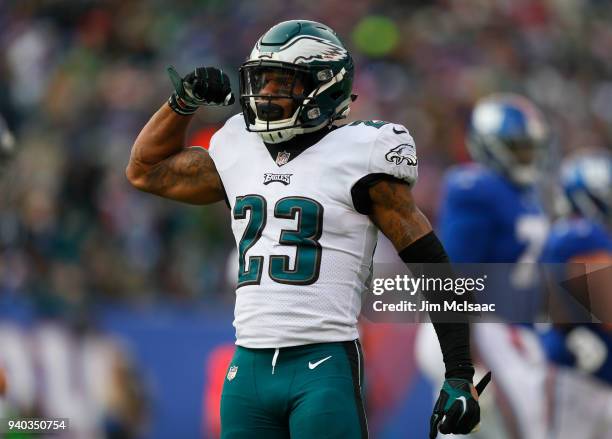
(78, 80)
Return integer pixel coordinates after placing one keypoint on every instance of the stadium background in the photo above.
(88, 264)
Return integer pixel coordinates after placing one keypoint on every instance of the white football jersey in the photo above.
(305, 253)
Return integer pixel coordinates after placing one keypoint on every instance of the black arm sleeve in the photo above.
(454, 337)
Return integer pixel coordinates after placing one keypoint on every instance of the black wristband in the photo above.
(179, 106)
(454, 337)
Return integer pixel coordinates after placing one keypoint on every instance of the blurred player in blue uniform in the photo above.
(490, 213)
(580, 393)
(583, 237)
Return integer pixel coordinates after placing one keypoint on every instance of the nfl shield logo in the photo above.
(282, 158)
(231, 374)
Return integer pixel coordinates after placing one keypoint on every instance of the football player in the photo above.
(583, 238)
(490, 213)
(306, 198)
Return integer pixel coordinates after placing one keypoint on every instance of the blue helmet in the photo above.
(507, 133)
(586, 179)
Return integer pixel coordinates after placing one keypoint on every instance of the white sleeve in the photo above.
(221, 148)
(220, 135)
(394, 153)
(212, 144)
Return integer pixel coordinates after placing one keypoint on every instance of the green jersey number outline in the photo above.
(257, 220)
(305, 238)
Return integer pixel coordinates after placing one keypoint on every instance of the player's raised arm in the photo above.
(159, 162)
(394, 212)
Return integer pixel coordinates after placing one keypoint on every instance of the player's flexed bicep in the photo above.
(159, 162)
(189, 176)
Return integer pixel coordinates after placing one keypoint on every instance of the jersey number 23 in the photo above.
(309, 215)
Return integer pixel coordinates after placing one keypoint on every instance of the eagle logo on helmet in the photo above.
(304, 50)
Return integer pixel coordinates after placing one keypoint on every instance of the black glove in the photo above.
(456, 410)
(203, 86)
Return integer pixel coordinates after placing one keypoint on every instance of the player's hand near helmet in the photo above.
(203, 86)
(457, 410)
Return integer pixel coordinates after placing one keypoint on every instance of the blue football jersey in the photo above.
(584, 346)
(484, 218)
(574, 237)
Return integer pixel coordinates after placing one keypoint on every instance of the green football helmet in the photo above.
(298, 79)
